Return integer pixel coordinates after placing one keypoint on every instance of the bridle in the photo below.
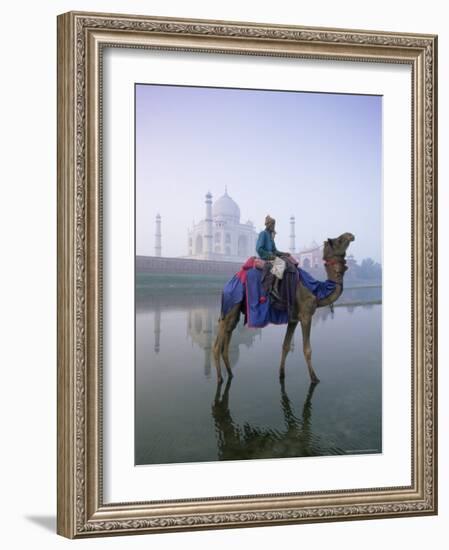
(332, 261)
(337, 260)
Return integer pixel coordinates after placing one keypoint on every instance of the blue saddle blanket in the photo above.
(246, 288)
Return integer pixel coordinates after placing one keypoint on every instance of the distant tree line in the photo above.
(368, 269)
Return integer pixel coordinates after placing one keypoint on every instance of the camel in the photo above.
(306, 303)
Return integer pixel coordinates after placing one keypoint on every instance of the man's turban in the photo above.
(269, 220)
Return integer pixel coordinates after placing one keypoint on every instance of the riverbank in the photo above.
(206, 283)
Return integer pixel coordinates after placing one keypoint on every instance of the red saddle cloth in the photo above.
(251, 262)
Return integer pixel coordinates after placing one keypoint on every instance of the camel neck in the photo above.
(332, 276)
(333, 296)
(331, 273)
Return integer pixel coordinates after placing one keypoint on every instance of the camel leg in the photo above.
(232, 321)
(306, 325)
(286, 346)
(221, 345)
(216, 350)
(226, 342)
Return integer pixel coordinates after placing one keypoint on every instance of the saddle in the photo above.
(285, 299)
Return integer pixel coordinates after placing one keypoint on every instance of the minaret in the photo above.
(208, 233)
(292, 248)
(158, 237)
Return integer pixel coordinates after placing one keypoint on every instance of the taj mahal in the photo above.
(221, 235)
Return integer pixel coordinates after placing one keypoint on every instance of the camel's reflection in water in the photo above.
(296, 439)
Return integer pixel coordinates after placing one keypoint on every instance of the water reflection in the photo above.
(181, 416)
(202, 325)
(240, 442)
(202, 329)
(157, 330)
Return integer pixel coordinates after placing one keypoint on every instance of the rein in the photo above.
(334, 261)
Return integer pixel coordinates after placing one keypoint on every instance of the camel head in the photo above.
(334, 253)
(338, 246)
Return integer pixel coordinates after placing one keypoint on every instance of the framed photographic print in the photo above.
(247, 274)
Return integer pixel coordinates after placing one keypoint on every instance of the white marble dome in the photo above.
(226, 208)
(220, 235)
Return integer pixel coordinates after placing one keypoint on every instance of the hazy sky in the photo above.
(312, 155)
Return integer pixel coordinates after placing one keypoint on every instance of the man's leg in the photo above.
(278, 271)
(275, 289)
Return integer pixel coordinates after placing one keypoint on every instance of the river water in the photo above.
(181, 415)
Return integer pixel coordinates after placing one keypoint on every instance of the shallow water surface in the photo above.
(182, 416)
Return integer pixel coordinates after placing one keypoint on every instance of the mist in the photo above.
(317, 156)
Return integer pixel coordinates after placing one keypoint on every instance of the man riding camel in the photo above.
(266, 249)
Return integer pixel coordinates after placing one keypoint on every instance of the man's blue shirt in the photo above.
(265, 246)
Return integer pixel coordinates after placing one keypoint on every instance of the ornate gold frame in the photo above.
(81, 37)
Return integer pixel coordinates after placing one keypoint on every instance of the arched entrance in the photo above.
(199, 244)
(242, 246)
(306, 263)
